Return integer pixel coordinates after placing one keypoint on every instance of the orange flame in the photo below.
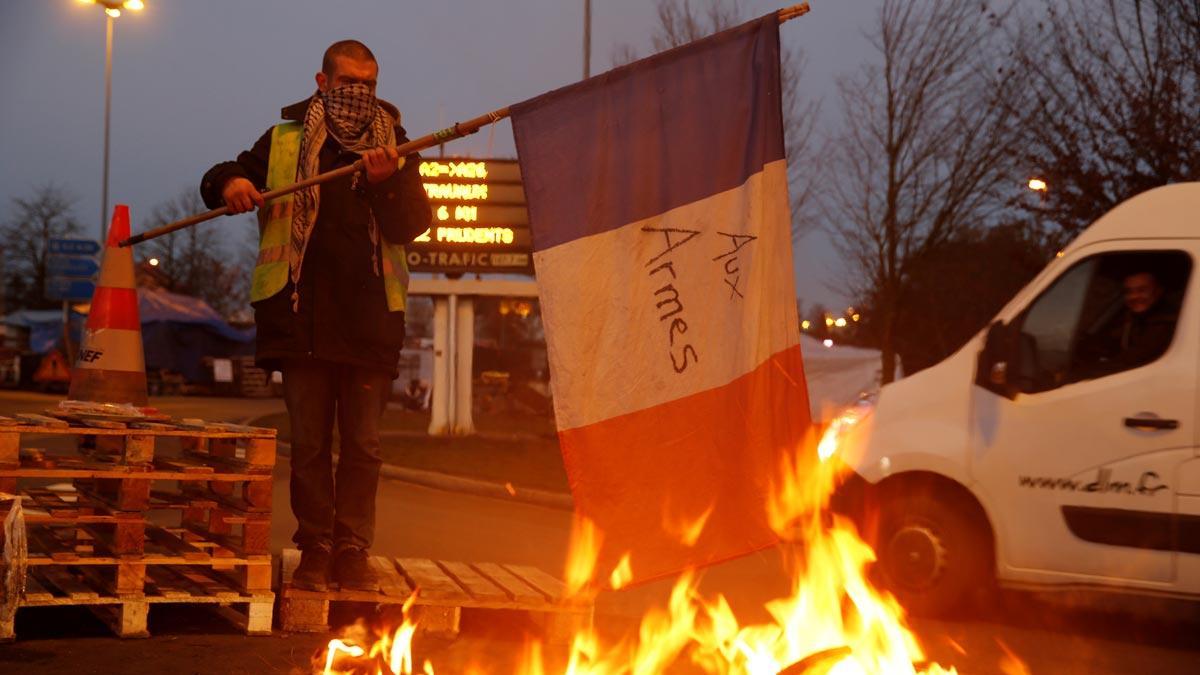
(687, 530)
(582, 554)
(1010, 664)
(337, 647)
(833, 621)
(393, 652)
(833, 614)
(533, 659)
(622, 574)
(956, 646)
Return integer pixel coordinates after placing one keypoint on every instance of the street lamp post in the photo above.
(587, 39)
(112, 10)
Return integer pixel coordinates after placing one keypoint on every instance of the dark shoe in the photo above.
(312, 574)
(352, 571)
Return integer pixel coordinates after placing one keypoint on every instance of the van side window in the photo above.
(1106, 314)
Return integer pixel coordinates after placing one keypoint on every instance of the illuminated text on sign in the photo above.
(460, 191)
(479, 224)
(471, 235)
(464, 214)
(433, 169)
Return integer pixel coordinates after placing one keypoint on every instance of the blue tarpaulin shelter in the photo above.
(45, 327)
(178, 331)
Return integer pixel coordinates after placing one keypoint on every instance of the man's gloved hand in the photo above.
(380, 163)
(241, 196)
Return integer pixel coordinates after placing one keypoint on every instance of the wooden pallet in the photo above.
(58, 586)
(117, 463)
(235, 526)
(93, 544)
(128, 450)
(443, 591)
(123, 572)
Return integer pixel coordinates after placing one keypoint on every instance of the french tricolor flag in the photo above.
(659, 205)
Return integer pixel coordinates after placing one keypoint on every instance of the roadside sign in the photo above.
(68, 289)
(222, 370)
(68, 266)
(74, 247)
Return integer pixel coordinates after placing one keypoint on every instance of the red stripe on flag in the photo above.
(114, 308)
(635, 474)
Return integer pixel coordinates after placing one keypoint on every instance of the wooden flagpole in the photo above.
(448, 134)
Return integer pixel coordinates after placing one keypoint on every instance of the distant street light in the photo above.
(827, 342)
(153, 262)
(841, 322)
(805, 324)
(112, 10)
(1037, 185)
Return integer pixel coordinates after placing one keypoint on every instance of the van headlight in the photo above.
(841, 426)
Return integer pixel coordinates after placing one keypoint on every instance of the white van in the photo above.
(1058, 448)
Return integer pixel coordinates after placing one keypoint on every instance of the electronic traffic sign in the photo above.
(480, 223)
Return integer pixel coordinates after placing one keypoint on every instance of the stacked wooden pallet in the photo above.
(142, 513)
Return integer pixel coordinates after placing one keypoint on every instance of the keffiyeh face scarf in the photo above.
(352, 115)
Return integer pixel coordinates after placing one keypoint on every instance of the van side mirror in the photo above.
(996, 363)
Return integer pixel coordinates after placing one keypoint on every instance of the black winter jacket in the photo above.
(343, 315)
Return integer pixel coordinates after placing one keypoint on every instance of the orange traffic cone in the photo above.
(111, 367)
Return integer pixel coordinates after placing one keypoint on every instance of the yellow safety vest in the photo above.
(275, 228)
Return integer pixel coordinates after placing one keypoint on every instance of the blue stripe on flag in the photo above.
(651, 136)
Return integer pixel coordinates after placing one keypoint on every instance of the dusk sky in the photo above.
(195, 82)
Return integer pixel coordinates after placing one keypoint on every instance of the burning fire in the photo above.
(581, 557)
(622, 574)
(832, 623)
(687, 531)
(391, 652)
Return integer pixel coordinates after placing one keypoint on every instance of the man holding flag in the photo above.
(675, 362)
(329, 294)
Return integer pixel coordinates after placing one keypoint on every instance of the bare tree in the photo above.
(211, 262)
(48, 213)
(680, 23)
(1116, 103)
(924, 151)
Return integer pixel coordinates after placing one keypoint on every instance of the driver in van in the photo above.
(1137, 335)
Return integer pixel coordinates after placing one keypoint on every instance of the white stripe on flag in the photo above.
(672, 305)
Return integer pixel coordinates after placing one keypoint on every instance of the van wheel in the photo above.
(933, 555)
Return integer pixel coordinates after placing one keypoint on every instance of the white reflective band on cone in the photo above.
(112, 349)
(117, 270)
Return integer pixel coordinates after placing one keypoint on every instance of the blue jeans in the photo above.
(334, 511)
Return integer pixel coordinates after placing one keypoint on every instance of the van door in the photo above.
(1078, 454)
(1188, 527)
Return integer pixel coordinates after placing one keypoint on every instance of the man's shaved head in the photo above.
(352, 49)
